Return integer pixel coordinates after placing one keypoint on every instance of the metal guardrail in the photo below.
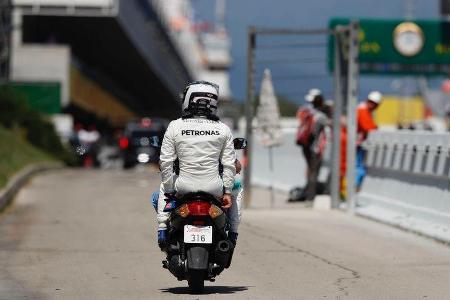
(420, 153)
(408, 181)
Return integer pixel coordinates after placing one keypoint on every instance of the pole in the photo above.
(337, 114)
(249, 114)
(445, 9)
(5, 39)
(272, 194)
(352, 99)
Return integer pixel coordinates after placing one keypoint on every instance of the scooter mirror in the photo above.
(240, 143)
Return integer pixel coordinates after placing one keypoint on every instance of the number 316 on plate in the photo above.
(197, 234)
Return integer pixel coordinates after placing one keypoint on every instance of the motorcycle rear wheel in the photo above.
(196, 281)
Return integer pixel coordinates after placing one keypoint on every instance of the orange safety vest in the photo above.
(365, 125)
(365, 121)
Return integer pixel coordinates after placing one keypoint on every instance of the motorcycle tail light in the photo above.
(183, 210)
(199, 208)
(215, 211)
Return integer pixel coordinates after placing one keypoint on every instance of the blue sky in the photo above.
(303, 15)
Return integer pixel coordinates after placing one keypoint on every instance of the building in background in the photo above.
(216, 47)
(115, 60)
(204, 46)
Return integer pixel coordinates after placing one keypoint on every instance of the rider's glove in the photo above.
(226, 201)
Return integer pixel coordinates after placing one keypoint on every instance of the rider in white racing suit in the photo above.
(199, 141)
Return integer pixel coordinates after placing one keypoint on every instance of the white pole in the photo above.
(352, 100)
(272, 194)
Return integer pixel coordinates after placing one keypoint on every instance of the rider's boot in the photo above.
(162, 236)
(232, 237)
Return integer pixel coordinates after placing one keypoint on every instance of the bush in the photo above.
(16, 154)
(12, 107)
(16, 113)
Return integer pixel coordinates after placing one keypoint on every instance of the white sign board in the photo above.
(43, 63)
(268, 114)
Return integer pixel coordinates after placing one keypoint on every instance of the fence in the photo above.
(408, 181)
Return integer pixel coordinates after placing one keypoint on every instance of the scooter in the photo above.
(197, 246)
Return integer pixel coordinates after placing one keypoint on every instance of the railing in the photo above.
(420, 153)
(408, 181)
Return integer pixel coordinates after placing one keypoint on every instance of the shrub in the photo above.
(15, 112)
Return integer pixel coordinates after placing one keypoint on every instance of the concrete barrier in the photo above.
(408, 182)
(13, 186)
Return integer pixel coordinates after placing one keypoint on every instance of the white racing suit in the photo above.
(199, 144)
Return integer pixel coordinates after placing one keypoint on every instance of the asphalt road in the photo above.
(75, 234)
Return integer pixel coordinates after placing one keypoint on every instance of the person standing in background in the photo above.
(311, 137)
(366, 124)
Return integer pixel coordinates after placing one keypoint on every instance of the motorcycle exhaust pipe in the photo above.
(223, 251)
(224, 246)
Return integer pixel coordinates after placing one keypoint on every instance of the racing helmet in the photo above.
(200, 98)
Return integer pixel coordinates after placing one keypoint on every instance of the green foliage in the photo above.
(15, 113)
(16, 153)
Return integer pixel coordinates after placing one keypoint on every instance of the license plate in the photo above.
(197, 234)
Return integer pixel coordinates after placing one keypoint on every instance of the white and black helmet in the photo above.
(200, 98)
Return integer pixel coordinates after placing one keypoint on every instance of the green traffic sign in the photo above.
(400, 46)
(44, 97)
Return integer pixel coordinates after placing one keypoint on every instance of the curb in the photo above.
(434, 231)
(13, 186)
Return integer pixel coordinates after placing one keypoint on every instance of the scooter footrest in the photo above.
(165, 264)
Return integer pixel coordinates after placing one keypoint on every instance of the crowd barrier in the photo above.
(408, 181)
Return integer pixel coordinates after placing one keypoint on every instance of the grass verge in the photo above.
(16, 153)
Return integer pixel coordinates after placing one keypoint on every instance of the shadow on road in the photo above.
(208, 290)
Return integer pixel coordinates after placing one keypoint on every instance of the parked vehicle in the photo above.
(136, 142)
